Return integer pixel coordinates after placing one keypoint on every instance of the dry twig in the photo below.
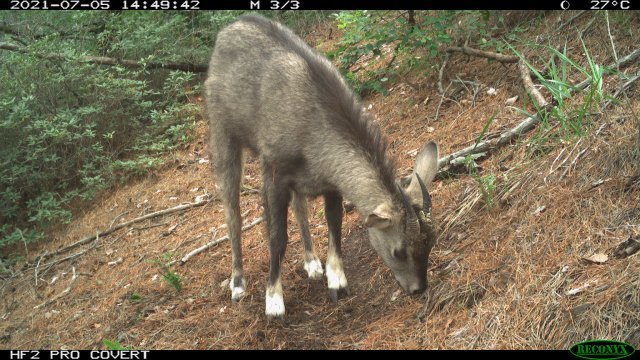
(35, 271)
(441, 73)
(613, 45)
(112, 229)
(510, 59)
(622, 89)
(573, 163)
(215, 242)
(525, 125)
(525, 75)
(442, 97)
(63, 293)
(103, 60)
(552, 170)
(118, 217)
(189, 241)
(580, 13)
(588, 27)
(70, 257)
(148, 227)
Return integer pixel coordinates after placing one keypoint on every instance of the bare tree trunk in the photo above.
(412, 19)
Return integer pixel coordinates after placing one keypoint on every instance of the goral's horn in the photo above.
(412, 222)
(426, 198)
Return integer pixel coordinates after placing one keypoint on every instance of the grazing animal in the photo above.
(270, 92)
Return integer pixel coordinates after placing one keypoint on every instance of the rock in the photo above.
(512, 100)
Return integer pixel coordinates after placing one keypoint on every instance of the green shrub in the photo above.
(70, 128)
(367, 32)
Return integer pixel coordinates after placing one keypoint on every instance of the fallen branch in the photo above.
(67, 258)
(509, 59)
(192, 240)
(627, 60)
(118, 217)
(90, 238)
(35, 272)
(63, 293)
(525, 74)
(441, 73)
(148, 227)
(103, 60)
(442, 97)
(171, 229)
(249, 192)
(622, 89)
(116, 261)
(524, 126)
(580, 13)
(216, 242)
(613, 45)
(627, 248)
(588, 27)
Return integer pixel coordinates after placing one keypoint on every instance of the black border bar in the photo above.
(213, 354)
(319, 4)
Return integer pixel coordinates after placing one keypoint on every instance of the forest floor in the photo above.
(511, 276)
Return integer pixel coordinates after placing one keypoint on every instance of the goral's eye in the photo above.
(400, 254)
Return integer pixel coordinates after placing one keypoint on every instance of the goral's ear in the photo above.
(426, 167)
(380, 218)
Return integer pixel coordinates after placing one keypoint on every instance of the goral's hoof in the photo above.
(274, 305)
(335, 294)
(314, 269)
(238, 289)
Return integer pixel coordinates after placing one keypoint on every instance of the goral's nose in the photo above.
(417, 289)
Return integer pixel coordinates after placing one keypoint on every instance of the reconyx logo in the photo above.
(602, 349)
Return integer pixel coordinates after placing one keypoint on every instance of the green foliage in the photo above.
(371, 33)
(13, 235)
(70, 128)
(486, 183)
(485, 128)
(135, 297)
(173, 279)
(573, 119)
(169, 276)
(114, 345)
(487, 188)
(4, 268)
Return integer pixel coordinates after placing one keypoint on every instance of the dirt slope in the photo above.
(508, 277)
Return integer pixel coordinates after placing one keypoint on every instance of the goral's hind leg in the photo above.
(312, 264)
(336, 280)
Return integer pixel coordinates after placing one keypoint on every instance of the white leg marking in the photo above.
(274, 301)
(335, 274)
(238, 290)
(314, 268)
